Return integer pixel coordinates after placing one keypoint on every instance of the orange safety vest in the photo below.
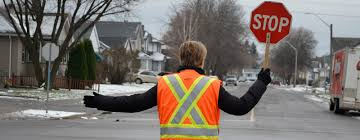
(188, 106)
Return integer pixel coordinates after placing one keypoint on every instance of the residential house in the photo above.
(92, 35)
(121, 34)
(250, 74)
(320, 71)
(151, 56)
(14, 59)
(131, 35)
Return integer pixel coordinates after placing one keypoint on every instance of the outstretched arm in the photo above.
(129, 104)
(240, 106)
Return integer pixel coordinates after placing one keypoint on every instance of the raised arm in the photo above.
(240, 106)
(129, 104)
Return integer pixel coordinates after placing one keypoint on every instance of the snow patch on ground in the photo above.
(324, 96)
(64, 94)
(125, 88)
(314, 98)
(41, 114)
(16, 98)
(357, 118)
(299, 88)
(89, 118)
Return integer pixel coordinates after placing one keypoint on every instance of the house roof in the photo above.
(104, 46)
(158, 56)
(46, 26)
(5, 26)
(82, 28)
(115, 34)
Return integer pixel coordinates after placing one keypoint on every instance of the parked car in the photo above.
(214, 76)
(146, 77)
(230, 80)
(242, 79)
(276, 82)
(164, 73)
(344, 89)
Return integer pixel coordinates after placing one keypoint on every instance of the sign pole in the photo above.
(265, 66)
(48, 80)
(267, 51)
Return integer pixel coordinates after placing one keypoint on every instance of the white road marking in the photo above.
(252, 115)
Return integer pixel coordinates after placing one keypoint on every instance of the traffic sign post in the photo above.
(270, 22)
(267, 51)
(50, 52)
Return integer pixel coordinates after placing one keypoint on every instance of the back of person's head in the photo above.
(192, 53)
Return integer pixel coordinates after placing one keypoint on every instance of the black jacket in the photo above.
(140, 102)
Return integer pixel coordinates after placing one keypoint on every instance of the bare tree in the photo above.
(219, 24)
(27, 18)
(283, 56)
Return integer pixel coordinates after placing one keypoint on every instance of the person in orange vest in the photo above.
(188, 102)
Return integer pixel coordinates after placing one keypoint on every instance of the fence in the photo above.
(59, 82)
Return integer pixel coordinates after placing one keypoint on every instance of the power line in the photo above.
(322, 14)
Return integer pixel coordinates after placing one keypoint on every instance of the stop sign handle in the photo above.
(267, 51)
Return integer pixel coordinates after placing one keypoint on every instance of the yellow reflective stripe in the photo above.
(184, 99)
(192, 120)
(182, 85)
(201, 114)
(189, 137)
(173, 91)
(188, 126)
(196, 100)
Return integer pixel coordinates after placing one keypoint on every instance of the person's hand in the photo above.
(91, 101)
(264, 76)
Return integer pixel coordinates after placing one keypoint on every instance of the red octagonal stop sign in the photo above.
(272, 18)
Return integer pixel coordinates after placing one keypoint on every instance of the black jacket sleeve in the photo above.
(240, 106)
(140, 102)
(130, 104)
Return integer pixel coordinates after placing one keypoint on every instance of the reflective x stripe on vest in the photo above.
(187, 108)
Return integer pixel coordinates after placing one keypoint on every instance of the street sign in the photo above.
(270, 18)
(270, 22)
(50, 51)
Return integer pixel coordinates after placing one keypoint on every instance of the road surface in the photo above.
(280, 115)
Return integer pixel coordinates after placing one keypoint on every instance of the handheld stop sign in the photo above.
(270, 22)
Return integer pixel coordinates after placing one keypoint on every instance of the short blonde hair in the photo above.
(192, 53)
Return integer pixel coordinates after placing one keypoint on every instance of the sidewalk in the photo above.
(314, 92)
(31, 103)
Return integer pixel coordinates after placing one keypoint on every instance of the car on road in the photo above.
(231, 80)
(146, 77)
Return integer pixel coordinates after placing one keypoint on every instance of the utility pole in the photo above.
(331, 42)
(331, 52)
(296, 61)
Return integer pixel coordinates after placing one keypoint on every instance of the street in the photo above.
(279, 115)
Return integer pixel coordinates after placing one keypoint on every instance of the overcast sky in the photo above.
(345, 17)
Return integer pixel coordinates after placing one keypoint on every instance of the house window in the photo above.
(143, 64)
(155, 66)
(65, 59)
(25, 56)
(159, 49)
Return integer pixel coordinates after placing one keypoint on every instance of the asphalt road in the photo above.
(280, 115)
